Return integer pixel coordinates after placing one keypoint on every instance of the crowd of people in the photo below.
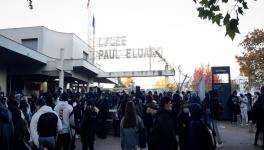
(156, 121)
(248, 110)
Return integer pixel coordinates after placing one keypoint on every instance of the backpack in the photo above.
(211, 143)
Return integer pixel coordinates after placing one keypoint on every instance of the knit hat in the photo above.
(262, 90)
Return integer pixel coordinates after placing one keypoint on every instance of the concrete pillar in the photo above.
(3, 79)
(61, 77)
(166, 77)
(88, 85)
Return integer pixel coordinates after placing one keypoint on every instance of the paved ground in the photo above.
(234, 138)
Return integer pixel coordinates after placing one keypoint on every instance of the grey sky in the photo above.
(171, 24)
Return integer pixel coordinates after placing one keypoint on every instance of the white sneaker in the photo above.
(219, 145)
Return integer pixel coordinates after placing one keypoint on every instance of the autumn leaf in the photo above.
(251, 61)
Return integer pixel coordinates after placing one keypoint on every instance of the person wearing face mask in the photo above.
(184, 121)
(163, 134)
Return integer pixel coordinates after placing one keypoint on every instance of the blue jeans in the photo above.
(47, 142)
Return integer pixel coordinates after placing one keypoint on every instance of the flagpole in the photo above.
(93, 41)
(88, 20)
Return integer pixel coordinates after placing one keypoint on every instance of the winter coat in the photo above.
(184, 123)
(104, 108)
(21, 133)
(199, 135)
(150, 110)
(129, 136)
(34, 123)
(88, 125)
(139, 108)
(258, 112)
(216, 108)
(6, 129)
(234, 104)
(163, 134)
(65, 113)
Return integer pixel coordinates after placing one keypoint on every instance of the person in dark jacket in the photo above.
(199, 135)
(258, 110)
(150, 111)
(6, 128)
(88, 125)
(206, 107)
(184, 123)
(156, 97)
(21, 133)
(216, 111)
(163, 134)
(102, 116)
(235, 106)
(24, 108)
(49, 100)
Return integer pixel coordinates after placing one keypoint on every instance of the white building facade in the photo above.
(33, 55)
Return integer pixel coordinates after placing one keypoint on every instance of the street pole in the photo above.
(166, 77)
(150, 55)
(179, 69)
(61, 77)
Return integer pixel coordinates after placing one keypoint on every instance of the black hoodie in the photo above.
(199, 135)
(6, 129)
(163, 135)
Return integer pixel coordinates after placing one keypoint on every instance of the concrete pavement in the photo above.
(234, 138)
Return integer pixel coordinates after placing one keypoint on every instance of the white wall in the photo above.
(78, 47)
(16, 34)
(50, 42)
(3, 78)
(53, 41)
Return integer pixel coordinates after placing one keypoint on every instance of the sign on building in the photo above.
(115, 48)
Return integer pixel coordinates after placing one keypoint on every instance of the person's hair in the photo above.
(130, 115)
(262, 90)
(235, 92)
(12, 103)
(164, 100)
(23, 105)
(64, 96)
(40, 102)
(148, 98)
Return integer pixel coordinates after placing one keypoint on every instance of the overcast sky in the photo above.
(171, 24)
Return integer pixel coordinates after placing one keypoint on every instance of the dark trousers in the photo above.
(257, 135)
(63, 141)
(87, 143)
(47, 142)
(234, 116)
(116, 126)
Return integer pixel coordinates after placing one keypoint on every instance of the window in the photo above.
(30, 43)
(85, 56)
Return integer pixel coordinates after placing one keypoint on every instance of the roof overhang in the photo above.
(12, 51)
(106, 80)
(84, 66)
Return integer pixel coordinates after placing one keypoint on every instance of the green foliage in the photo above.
(211, 10)
(30, 4)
